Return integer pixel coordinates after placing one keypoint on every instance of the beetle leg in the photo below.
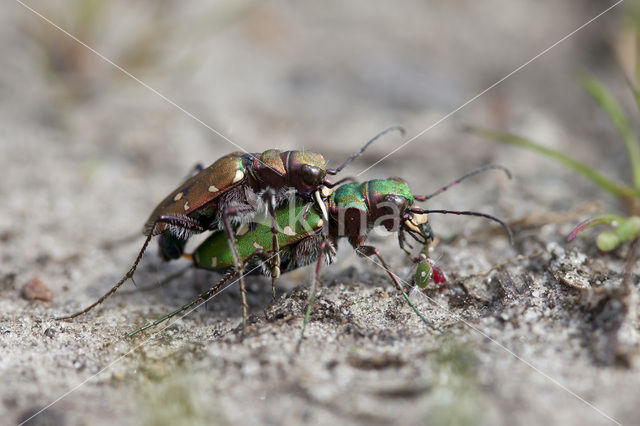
(330, 184)
(238, 266)
(183, 222)
(196, 169)
(166, 280)
(204, 296)
(369, 251)
(306, 211)
(312, 292)
(275, 261)
(402, 241)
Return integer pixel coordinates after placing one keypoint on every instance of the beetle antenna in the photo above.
(329, 184)
(460, 179)
(469, 213)
(361, 150)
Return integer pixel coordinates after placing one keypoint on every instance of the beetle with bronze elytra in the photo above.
(230, 193)
(355, 209)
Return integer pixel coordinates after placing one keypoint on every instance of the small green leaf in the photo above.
(607, 241)
(628, 228)
(589, 172)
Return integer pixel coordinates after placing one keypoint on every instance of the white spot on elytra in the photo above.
(186, 205)
(213, 188)
(214, 261)
(288, 231)
(258, 246)
(178, 196)
(320, 222)
(238, 177)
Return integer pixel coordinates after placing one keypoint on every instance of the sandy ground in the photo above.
(87, 152)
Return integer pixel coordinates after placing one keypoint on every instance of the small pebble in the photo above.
(37, 290)
(117, 375)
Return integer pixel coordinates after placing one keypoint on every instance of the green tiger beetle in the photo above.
(231, 192)
(354, 210)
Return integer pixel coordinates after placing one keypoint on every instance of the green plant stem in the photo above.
(619, 119)
(605, 219)
(589, 172)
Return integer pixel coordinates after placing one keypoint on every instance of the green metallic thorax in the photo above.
(349, 195)
(382, 187)
(214, 253)
(361, 195)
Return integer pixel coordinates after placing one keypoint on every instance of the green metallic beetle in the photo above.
(300, 242)
(299, 239)
(354, 210)
(231, 192)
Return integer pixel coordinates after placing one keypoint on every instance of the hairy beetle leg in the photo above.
(370, 251)
(182, 222)
(204, 296)
(238, 266)
(312, 293)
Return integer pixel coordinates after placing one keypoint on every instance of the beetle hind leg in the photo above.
(204, 297)
(324, 246)
(183, 222)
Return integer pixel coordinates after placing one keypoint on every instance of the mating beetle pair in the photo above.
(228, 195)
(354, 209)
(231, 192)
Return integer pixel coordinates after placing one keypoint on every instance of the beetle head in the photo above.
(388, 201)
(389, 210)
(307, 171)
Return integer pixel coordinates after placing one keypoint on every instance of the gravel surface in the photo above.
(86, 152)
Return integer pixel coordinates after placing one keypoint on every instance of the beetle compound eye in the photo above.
(312, 175)
(397, 201)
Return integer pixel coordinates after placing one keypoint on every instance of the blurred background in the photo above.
(281, 75)
(86, 151)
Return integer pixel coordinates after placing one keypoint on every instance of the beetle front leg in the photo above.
(312, 293)
(181, 222)
(204, 297)
(402, 241)
(197, 168)
(369, 251)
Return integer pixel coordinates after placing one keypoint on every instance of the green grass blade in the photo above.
(608, 103)
(634, 88)
(589, 172)
(636, 94)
